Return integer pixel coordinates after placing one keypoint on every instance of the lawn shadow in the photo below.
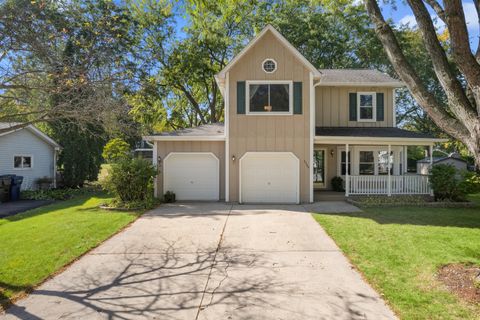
(419, 216)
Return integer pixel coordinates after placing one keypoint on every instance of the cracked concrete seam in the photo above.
(200, 308)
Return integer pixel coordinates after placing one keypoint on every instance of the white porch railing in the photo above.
(370, 185)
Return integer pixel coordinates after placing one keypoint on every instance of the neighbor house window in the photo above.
(366, 105)
(275, 97)
(22, 162)
(366, 164)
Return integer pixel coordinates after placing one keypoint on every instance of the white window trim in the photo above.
(264, 113)
(355, 159)
(374, 106)
(274, 61)
(22, 155)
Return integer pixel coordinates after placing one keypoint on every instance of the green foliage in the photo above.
(58, 194)
(450, 184)
(130, 180)
(148, 203)
(81, 154)
(337, 184)
(116, 149)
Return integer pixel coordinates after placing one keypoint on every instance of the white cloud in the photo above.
(409, 20)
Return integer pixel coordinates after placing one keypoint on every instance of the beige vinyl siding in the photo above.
(215, 147)
(262, 133)
(332, 107)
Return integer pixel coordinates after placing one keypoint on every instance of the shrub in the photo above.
(130, 180)
(337, 184)
(116, 150)
(450, 184)
(57, 194)
(169, 197)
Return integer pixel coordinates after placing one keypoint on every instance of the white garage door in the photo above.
(270, 177)
(192, 176)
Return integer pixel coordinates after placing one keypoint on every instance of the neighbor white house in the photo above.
(28, 152)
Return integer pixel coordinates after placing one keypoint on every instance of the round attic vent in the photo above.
(269, 65)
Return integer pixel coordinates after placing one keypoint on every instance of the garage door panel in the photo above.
(269, 177)
(192, 176)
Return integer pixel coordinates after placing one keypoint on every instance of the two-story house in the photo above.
(289, 129)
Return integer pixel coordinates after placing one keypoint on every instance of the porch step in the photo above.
(329, 196)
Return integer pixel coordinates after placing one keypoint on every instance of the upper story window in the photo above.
(22, 162)
(274, 97)
(366, 106)
(269, 65)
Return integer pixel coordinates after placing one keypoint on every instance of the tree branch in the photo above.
(404, 69)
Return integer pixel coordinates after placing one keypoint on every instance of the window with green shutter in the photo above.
(275, 97)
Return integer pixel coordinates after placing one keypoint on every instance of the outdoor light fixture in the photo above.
(331, 152)
(233, 157)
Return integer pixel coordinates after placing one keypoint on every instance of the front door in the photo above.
(319, 168)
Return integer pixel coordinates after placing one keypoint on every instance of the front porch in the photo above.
(370, 165)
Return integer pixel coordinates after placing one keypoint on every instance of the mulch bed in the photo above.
(460, 279)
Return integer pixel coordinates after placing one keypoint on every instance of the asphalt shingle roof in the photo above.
(356, 76)
(369, 132)
(214, 129)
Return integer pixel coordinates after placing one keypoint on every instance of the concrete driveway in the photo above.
(210, 261)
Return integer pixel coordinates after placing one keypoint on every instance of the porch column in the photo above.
(431, 163)
(389, 165)
(347, 178)
(405, 160)
(155, 164)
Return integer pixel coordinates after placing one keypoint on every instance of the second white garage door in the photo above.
(269, 177)
(192, 176)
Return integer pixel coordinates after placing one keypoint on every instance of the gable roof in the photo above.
(221, 75)
(357, 77)
(31, 128)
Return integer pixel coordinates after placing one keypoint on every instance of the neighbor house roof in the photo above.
(440, 159)
(357, 77)
(365, 135)
(15, 126)
(214, 131)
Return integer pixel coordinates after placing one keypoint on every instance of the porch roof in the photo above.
(374, 134)
(212, 132)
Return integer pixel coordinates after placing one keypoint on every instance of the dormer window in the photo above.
(269, 65)
(366, 106)
(269, 97)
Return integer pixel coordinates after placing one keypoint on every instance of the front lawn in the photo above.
(399, 250)
(35, 244)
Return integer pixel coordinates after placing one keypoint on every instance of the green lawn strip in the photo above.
(37, 243)
(399, 250)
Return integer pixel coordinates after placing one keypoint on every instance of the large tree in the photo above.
(457, 69)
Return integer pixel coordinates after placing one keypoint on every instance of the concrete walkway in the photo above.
(210, 261)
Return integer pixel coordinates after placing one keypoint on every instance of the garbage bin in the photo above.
(5, 184)
(15, 188)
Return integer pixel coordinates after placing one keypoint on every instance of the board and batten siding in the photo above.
(269, 133)
(332, 107)
(215, 147)
(23, 142)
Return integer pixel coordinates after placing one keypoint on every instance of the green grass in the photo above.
(400, 249)
(35, 244)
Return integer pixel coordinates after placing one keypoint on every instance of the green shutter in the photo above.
(297, 98)
(353, 106)
(380, 107)
(241, 97)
